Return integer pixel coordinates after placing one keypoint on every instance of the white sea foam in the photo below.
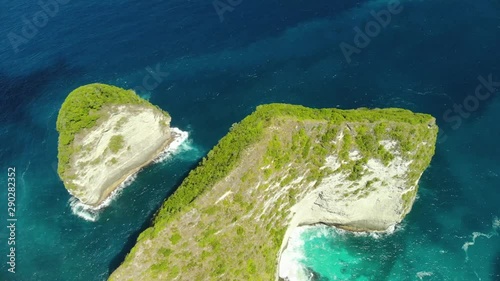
(91, 213)
(116, 193)
(496, 223)
(422, 274)
(82, 210)
(290, 265)
(494, 232)
(321, 231)
(188, 146)
(180, 138)
(24, 173)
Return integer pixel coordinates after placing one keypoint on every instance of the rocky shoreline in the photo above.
(377, 211)
(169, 146)
(127, 139)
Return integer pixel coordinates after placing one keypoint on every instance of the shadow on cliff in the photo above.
(117, 261)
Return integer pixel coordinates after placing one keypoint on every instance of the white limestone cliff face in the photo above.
(374, 208)
(96, 170)
(373, 203)
(240, 209)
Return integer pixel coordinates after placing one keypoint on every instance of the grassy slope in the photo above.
(82, 109)
(198, 236)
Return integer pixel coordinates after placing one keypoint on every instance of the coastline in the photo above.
(177, 138)
(259, 188)
(290, 257)
(321, 206)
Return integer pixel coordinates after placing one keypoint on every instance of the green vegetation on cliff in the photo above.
(82, 109)
(116, 143)
(218, 226)
(226, 154)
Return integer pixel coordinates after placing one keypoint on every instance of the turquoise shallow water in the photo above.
(427, 59)
(452, 233)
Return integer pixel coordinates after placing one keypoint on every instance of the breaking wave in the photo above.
(91, 213)
(180, 138)
(293, 257)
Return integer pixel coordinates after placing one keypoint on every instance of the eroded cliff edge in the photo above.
(107, 134)
(282, 167)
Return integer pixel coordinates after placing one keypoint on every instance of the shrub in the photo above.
(175, 238)
(116, 143)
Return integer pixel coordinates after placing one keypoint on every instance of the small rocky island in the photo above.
(107, 134)
(284, 167)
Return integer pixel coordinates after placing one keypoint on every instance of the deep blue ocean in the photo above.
(209, 71)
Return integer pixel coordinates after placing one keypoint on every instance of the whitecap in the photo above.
(91, 213)
(290, 265)
(422, 274)
(496, 223)
(179, 138)
(82, 210)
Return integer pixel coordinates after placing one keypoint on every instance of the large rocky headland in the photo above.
(284, 167)
(107, 134)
